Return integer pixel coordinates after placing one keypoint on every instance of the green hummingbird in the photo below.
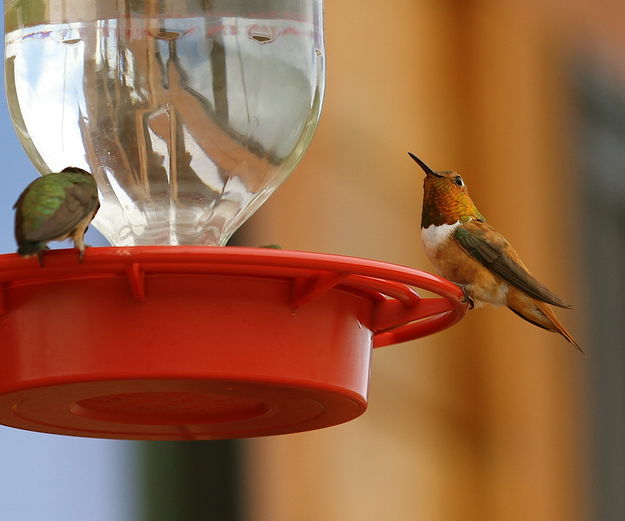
(471, 253)
(55, 207)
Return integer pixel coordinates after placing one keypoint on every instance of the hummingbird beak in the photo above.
(426, 168)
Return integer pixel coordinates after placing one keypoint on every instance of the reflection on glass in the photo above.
(188, 112)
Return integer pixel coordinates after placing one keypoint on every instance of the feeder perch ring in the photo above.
(177, 342)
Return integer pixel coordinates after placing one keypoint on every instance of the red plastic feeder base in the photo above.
(175, 343)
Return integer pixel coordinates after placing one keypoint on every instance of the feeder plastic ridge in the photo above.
(177, 343)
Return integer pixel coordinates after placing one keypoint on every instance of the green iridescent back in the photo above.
(53, 205)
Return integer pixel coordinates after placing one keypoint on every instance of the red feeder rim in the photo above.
(177, 342)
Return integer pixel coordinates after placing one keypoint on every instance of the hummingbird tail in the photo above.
(28, 249)
(558, 327)
(540, 314)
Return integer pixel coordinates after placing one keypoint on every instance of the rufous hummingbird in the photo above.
(55, 207)
(468, 251)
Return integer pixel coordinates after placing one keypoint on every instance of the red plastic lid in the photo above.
(172, 343)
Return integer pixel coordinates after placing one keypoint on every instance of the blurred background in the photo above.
(493, 419)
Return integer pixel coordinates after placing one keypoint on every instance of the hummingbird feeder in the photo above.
(189, 115)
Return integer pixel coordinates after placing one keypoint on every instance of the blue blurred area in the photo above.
(42, 476)
(60, 478)
(17, 172)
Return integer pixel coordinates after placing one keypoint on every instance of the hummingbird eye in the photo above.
(458, 180)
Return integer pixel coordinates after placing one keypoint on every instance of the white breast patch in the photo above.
(434, 237)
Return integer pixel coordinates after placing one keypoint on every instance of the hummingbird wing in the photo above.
(78, 202)
(482, 242)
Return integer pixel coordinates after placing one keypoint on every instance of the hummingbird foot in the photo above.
(465, 297)
(81, 252)
(469, 301)
(40, 255)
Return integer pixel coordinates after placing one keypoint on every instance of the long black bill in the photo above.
(425, 167)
